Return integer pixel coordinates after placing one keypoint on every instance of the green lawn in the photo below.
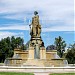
(13, 73)
(63, 74)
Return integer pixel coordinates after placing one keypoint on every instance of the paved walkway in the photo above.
(38, 70)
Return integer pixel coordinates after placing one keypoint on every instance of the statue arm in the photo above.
(40, 26)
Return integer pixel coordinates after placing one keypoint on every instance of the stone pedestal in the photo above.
(42, 53)
(36, 40)
(31, 53)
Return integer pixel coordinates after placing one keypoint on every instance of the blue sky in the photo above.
(56, 19)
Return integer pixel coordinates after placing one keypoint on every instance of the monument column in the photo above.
(37, 52)
(36, 41)
(31, 53)
(42, 53)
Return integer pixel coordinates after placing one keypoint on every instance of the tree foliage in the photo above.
(51, 47)
(70, 56)
(7, 46)
(60, 45)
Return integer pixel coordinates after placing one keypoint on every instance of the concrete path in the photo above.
(38, 70)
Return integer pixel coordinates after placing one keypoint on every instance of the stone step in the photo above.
(35, 62)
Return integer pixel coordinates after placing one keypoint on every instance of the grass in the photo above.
(63, 74)
(13, 73)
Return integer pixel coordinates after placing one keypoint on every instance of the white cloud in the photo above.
(47, 29)
(15, 27)
(61, 10)
(4, 34)
(69, 32)
(59, 28)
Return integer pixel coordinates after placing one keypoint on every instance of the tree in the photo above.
(51, 47)
(13, 45)
(23, 47)
(7, 46)
(70, 56)
(16, 42)
(60, 46)
(19, 41)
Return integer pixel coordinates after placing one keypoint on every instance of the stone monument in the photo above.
(36, 54)
(35, 32)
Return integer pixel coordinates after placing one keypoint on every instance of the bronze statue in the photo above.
(35, 32)
(35, 27)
